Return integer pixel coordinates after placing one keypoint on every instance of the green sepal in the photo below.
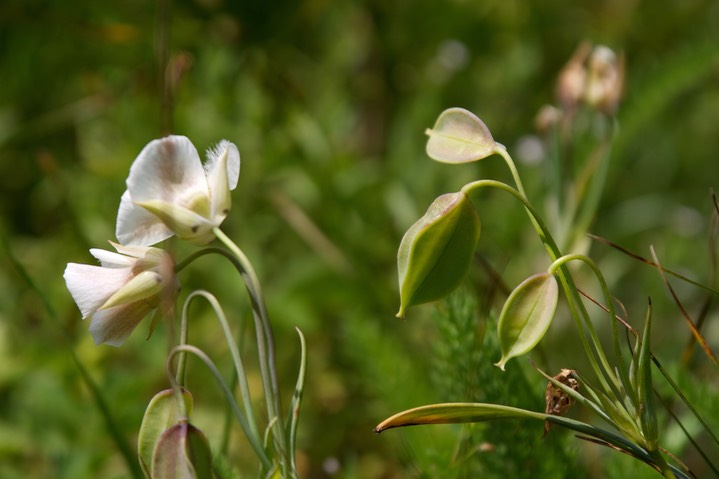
(186, 223)
(436, 251)
(142, 286)
(526, 316)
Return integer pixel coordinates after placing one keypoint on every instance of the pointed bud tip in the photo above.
(500, 364)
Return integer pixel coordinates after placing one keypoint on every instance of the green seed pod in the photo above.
(436, 251)
(526, 316)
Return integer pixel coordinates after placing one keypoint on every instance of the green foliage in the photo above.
(327, 102)
(463, 371)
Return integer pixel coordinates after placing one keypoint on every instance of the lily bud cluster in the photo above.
(593, 76)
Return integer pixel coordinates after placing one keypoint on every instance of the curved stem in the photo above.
(610, 308)
(265, 339)
(254, 442)
(576, 306)
(182, 361)
(575, 301)
(234, 352)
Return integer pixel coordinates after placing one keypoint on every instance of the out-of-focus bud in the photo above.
(605, 81)
(573, 78)
(547, 117)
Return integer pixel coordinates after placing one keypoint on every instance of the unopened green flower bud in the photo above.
(459, 136)
(182, 452)
(436, 251)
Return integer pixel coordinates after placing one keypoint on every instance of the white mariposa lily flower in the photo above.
(169, 191)
(127, 286)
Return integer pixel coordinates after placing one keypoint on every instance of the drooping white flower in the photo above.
(169, 191)
(117, 295)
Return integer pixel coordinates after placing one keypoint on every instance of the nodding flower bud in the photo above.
(547, 117)
(605, 81)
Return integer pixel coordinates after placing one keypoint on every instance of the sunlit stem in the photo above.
(182, 360)
(265, 339)
(254, 442)
(594, 191)
(610, 308)
(234, 352)
(579, 312)
(575, 301)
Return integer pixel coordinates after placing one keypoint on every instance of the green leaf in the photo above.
(182, 452)
(459, 136)
(453, 413)
(436, 251)
(645, 390)
(526, 316)
(161, 414)
(294, 417)
(450, 413)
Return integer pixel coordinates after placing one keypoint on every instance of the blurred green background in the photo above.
(327, 102)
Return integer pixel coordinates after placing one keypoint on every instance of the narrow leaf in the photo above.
(453, 413)
(645, 390)
(293, 420)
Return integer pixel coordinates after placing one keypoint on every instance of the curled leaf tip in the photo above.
(500, 364)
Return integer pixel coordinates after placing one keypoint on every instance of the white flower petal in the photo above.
(114, 325)
(90, 286)
(223, 169)
(232, 164)
(129, 250)
(137, 226)
(168, 169)
(110, 259)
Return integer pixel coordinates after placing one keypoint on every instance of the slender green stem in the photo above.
(254, 442)
(610, 308)
(182, 360)
(234, 352)
(575, 301)
(590, 202)
(265, 340)
(576, 306)
(296, 401)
